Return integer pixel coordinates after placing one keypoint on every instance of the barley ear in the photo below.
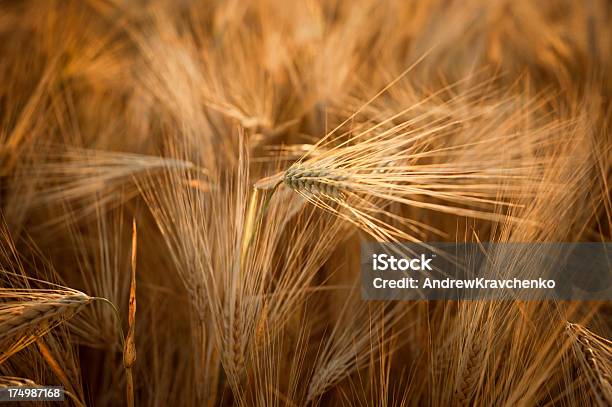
(11, 381)
(318, 181)
(23, 322)
(469, 374)
(594, 354)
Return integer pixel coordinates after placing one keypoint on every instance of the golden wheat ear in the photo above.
(594, 355)
(347, 350)
(87, 177)
(12, 381)
(26, 315)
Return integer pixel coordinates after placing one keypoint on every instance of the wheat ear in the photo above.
(325, 378)
(12, 381)
(315, 180)
(234, 350)
(30, 314)
(595, 356)
(347, 350)
(20, 317)
(468, 377)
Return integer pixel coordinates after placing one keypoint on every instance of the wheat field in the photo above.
(185, 184)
